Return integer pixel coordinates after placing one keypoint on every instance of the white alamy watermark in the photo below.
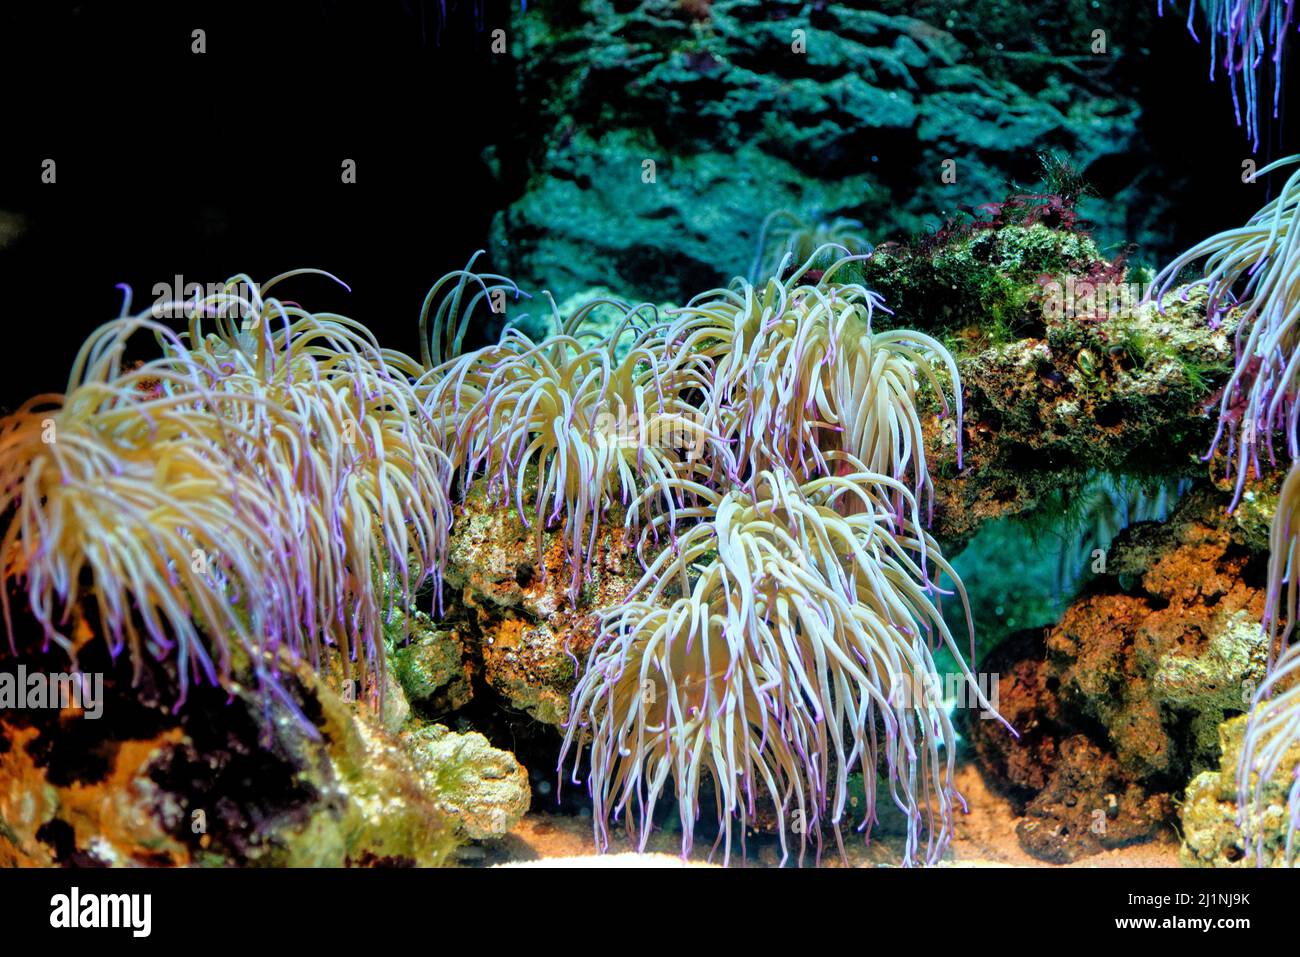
(1078, 297)
(954, 690)
(626, 428)
(21, 690)
(131, 911)
(178, 298)
(949, 692)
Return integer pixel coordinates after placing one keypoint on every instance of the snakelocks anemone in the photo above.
(795, 653)
(265, 487)
(1273, 727)
(798, 371)
(786, 238)
(778, 644)
(272, 483)
(596, 427)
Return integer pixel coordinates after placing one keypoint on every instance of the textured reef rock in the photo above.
(1161, 665)
(1211, 837)
(242, 780)
(1055, 395)
(1088, 805)
(431, 664)
(1073, 796)
(860, 124)
(1119, 705)
(529, 633)
(484, 789)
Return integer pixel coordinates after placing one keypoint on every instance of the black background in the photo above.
(950, 909)
(207, 166)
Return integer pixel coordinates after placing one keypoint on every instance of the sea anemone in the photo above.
(1255, 269)
(348, 450)
(794, 653)
(778, 643)
(114, 481)
(797, 370)
(1249, 31)
(251, 488)
(591, 426)
(786, 238)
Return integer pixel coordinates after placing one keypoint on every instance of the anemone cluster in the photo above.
(273, 482)
(767, 448)
(1255, 270)
(263, 486)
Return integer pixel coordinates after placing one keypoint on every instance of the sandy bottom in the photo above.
(986, 837)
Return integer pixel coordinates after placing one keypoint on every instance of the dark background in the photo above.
(207, 166)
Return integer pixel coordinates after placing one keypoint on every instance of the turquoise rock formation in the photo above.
(818, 108)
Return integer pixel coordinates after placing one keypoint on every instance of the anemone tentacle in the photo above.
(1255, 270)
(1243, 34)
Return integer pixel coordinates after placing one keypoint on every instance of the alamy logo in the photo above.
(133, 911)
(59, 690)
(1081, 298)
(177, 299)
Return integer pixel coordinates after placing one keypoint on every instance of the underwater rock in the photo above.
(531, 636)
(1089, 805)
(431, 665)
(484, 789)
(1211, 835)
(981, 281)
(1020, 766)
(12, 228)
(738, 112)
(1074, 798)
(234, 779)
(1119, 704)
(124, 819)
(316, 777)
(1162, 665)
(394, 707)
(1048, 412)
